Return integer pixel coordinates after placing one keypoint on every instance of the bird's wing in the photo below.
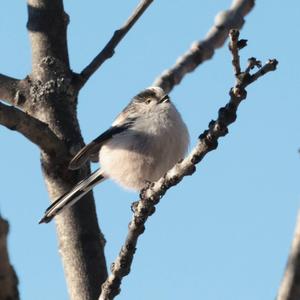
(91, 150)
(71, 197)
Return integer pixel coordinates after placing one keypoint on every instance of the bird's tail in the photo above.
(71, 197)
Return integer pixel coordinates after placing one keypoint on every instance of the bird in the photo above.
(146, 139)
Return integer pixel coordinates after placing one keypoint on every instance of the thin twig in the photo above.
(152, 194)
(201, 51)
(234, 48)
(109, 50)
(263, 70)
(36, 131)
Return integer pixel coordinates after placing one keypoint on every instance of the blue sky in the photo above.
(225, 232)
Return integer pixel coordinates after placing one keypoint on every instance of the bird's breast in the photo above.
(144, 152)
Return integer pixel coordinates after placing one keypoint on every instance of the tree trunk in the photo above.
(53, 99)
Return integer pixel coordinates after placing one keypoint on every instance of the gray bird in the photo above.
(146, 139)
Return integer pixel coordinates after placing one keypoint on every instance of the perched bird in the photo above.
(146, 139)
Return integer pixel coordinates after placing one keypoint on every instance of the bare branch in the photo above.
(201, 51)
(36, 131)
(109, 50)
(152, 193)
(234, 48)
(12, 90)
(269, 66)
(289, 288)
(8, 278)
(8, 88)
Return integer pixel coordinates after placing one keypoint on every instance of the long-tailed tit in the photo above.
(147, 138)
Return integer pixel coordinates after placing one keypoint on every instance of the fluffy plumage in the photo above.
(147, 138)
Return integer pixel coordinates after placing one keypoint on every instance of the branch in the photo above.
(109, 50)
(13, 90)
(289, 288)
(8, 278)
(36, 131)
(8, 88)
(234, 48)
(151, 194)
(201, 51)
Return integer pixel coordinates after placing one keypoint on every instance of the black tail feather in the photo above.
(71, 197)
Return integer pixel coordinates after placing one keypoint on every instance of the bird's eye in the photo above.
(148, 101)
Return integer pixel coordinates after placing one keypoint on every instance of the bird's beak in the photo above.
(164, 99)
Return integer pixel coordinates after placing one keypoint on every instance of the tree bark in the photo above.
(8, 278)
(53, 100)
